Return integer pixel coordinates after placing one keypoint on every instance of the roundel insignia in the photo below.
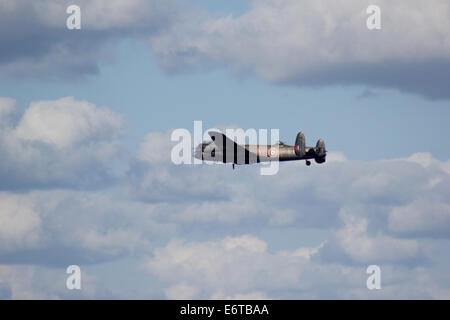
(273, 152)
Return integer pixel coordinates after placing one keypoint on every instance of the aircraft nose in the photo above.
(198, 153)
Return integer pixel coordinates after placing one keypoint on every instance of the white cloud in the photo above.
(20, 224)
(38, 43)
(296, 196)
(354, 241)
(209, 269)
(155, 148)
(58, 143)
(426, 160)
(246, 242)
(254, 295)
(336, 156)
(154, 178)
(310, 43)
(17, 282)
(361, 212)
(66, 122)
(425, 216)
(359, 202)
(107, 14)
(227, 267)
(58, 227)
(37, 282)
(181, 291)
(319, 42)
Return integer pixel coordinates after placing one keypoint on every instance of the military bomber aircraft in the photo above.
(223, 149)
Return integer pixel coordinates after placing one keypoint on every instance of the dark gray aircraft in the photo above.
(223, 149)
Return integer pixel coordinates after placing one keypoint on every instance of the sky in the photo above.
(86, 176)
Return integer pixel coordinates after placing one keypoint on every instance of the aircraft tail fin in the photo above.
(300, 145)
(321, 152)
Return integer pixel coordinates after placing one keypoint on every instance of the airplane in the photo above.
(223, 149)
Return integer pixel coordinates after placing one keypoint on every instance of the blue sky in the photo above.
(86, 176)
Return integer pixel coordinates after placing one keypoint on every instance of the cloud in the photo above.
(256, 295)
(60, 143)
(307, 43)
(154, 178)
(35, 282)
(210, 232)
(16, 282)
(423, 217)
(212, 266)
(428, 215)
(316, 43)
(181, 291)
(296, 196)
(353, 242)
(19, 223)
(37, 42)
(364, 205)
(213, 269)
(66, 122)
(62, 227)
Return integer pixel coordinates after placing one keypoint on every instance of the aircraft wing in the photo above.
(215, 136)
(223, 142)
